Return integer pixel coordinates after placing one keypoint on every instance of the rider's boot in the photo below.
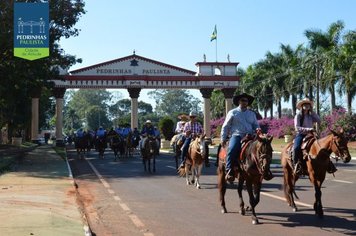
(331, 168)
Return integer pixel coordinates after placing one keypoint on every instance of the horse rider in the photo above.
(78, 134)
(100, 133)
(147, 130)
(191, 130)
(180, 124)
(304, 122)
(238, 123)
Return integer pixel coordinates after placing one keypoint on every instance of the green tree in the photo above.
(90, 107)
(324, 52)
(23, 79)
(170, 101)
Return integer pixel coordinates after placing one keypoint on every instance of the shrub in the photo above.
(215, 126)
(166, 126)
(339, 118)
(278, 127)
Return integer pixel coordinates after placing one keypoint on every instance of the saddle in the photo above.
(308, 141)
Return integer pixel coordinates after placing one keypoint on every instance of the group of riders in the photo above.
(104, 136)
(240, 123)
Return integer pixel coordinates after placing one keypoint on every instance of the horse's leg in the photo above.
(144, 163)
(239, 191)
(318, 207)
(249, 188)
(149, 164)
(200, 167)
(289, 187)
(187, 174)
(222, 187)
(256, 194)
(154, 163)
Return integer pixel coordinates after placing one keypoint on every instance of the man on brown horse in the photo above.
(304, 122)
(238, 123)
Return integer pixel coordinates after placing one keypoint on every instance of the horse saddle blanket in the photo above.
(222, 153)
(307, 142)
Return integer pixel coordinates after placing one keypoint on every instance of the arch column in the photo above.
(134, 94)
(228, 94)
(206, 93)
(35, 94)
(59, 94)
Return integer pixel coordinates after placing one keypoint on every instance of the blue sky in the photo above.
(178, 32)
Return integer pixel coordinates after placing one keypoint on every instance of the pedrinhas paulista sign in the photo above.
(31, 30)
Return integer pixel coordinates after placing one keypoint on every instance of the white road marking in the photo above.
(342, 181)
(283, 199)
(135, 220)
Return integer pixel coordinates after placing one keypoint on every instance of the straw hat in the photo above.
(183, 117)
(304, 101)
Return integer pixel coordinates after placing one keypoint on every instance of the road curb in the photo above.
(86, 227)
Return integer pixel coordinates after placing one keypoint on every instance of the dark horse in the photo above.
(255, 160)
(101, 144)
(82, 144)
(149, 152)
(317, 157)
(117, 144)
(177, 143)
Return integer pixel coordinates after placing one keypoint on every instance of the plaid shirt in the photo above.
(195, 128)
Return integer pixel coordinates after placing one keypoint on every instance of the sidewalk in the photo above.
(39, 198)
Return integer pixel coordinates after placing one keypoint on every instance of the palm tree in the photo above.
(325, 48)
(347, 68)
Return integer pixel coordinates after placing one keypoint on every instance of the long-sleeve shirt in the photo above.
(239, 122)
(308, 122)
(149, 130)
(195, 128)
(179, 127)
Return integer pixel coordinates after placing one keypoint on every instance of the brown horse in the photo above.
(255, 160)
(317, 157)
(194, 162)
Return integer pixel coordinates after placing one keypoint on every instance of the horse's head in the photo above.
(339, 145)
(264, 154)
(151, 144)
(198, 145)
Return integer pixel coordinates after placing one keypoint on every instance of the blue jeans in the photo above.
(297, 151)
(232, 158)
(185, 149)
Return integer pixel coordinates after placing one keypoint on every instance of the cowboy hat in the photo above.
(148, 122)
(237, 98)
(304, 101)
(192, 114)
(183, 117)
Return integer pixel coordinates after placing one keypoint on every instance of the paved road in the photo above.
(121, 199)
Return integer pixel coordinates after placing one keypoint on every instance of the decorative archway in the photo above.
(135, 73)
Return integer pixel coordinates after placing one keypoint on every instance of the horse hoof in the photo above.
(223, 211)
(295, 209)
(198, 187)
(242, 212)
(255, 222)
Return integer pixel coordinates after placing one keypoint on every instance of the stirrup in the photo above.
(230, 177)
(297, 169)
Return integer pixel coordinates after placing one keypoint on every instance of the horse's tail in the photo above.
(181, 171)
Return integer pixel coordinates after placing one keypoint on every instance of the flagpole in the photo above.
(216, 49)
